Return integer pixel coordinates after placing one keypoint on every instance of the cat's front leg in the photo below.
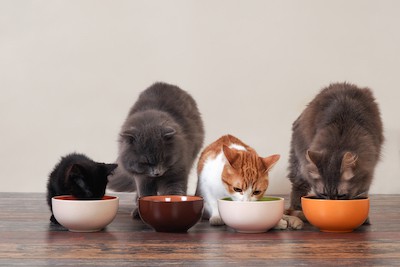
(211, 207)
(172, 186)
(145, 187)
(215, 218)
(135, 211)
(299, 188)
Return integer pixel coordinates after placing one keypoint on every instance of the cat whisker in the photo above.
(361, 195)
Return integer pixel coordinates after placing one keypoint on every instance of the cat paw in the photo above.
(216, 221)
(135, 214)
(282, 225)
(293, 222)
(296, 213)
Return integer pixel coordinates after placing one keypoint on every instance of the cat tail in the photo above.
(121, 181)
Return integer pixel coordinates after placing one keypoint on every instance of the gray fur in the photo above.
(159, 142)
(342, 118)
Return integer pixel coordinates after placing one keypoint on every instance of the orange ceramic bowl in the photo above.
(335, 215)
(171, 213)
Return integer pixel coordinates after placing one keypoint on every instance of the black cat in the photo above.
(78, 175)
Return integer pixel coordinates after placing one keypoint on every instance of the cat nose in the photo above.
(246, 198)
(157, 172)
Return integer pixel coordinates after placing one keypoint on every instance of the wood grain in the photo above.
(28, 238)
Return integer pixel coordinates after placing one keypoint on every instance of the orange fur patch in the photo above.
(243, 169)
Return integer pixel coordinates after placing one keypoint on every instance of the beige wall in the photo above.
(70, 70)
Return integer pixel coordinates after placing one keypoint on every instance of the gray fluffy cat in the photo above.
(336, 144)
(158, 143)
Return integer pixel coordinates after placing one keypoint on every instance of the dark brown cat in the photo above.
(336, 144)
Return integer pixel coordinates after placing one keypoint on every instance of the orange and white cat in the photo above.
(230, 168)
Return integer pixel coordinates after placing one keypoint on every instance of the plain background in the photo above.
(70, 71)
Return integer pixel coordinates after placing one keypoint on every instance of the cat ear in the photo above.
(270, 161)
(111, 167)
(313, 156)
(348, 163)
(75, 170)
(230, 155)
(128, 137)
(168, 132)
(349, 160)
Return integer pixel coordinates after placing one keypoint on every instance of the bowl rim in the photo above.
(173, 198)
(309, 198)
(70, 198)
(276, 199)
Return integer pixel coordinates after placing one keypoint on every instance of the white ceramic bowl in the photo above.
(84, 215)
(252, 216)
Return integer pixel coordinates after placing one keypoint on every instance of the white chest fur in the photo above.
(210, 177)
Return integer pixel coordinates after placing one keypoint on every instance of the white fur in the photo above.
(211, 186)
(237, 147)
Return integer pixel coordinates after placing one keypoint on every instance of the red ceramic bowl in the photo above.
(171, 213)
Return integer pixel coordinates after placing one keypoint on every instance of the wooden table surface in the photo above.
(28, 239)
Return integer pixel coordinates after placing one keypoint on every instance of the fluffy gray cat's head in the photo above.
(149, 148)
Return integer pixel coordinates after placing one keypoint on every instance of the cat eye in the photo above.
(257, 192)
(237, 189)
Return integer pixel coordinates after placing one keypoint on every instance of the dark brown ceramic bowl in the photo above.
(171, 213)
